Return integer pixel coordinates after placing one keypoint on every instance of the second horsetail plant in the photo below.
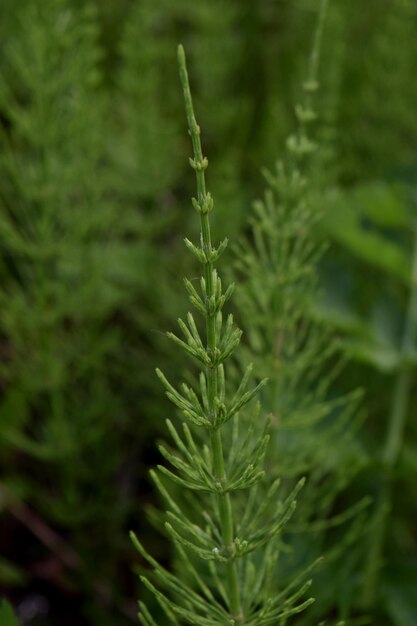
(225, 529)
(312, 429)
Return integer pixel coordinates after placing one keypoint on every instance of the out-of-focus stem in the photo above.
(394, 440)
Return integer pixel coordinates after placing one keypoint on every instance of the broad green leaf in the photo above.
(7, 616)
(349, 224)
(382, 203)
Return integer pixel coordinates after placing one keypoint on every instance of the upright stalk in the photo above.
(394, 438)
(205, 529)
(295, 170)
(199, 163)
(401, 394)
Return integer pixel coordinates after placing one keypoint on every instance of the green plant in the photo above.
(217, 524)
(53, 242)
(313, 429)
(66, 273)
(7, 616)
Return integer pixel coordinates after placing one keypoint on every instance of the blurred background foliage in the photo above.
(93, 194)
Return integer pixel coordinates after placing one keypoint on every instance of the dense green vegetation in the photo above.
(94, 206)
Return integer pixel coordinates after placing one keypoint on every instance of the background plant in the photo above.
(68, 281)
(313, 429)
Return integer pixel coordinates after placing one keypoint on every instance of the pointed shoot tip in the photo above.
(181, 54)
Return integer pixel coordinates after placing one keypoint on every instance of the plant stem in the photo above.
(394, 439)
(403, 383)
(199, 164)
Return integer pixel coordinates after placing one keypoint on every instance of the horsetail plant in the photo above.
(311, 430)
(226, 541)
